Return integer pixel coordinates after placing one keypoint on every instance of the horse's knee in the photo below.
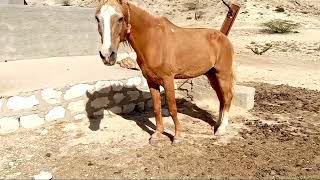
(157, 111)
(173, 112)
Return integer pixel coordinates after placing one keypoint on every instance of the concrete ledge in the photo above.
(244, 97)
(21, 2)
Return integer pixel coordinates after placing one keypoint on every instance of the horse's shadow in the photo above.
(141, 115)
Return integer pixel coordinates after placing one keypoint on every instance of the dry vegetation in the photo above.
(280, 26)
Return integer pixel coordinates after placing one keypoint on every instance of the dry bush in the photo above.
(280, 26)
(190, 6)
(259, 49)
(66, 3)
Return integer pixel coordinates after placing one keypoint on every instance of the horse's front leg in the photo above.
(157, 136)
(170, 94)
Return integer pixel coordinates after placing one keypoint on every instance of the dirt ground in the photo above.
(278, 138)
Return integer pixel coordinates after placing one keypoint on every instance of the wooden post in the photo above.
(230, 18)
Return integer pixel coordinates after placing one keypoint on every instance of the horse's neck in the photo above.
(140, 21)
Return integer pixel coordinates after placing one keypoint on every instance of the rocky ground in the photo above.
(278, 138)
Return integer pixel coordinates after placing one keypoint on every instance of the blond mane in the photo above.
(138, 3)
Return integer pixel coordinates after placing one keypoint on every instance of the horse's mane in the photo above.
(143, 5)
(139, 3)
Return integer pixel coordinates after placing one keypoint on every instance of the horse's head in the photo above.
(112, 28)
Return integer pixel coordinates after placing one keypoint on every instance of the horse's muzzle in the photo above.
(111, 60)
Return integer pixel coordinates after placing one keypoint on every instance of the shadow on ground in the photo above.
(140, 115)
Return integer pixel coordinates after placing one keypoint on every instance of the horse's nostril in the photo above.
(102, 57)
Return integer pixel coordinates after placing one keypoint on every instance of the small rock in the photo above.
(134, 95)
(31, 121)
(115, 110)
(18, 103)
(279, 9)
(128, 63)
(273, 173)
(118, 97)
(51, 96)
(9, 125)
(140, 107)
(103, 86)
(11, 164)
(100, 102)
(146, 94)
(29, 157)
(55, 113)
(133, 82)
(80, 116)
(116, 85)
(99, 113)
(44, 132)
(75, 107)
(90, 163)
(128, 108)
(48, 154)
(43, 176)
(78, 91)
(145, 82)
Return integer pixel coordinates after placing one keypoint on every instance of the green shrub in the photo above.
(280, 26)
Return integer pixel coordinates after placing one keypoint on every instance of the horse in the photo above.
(166, 52)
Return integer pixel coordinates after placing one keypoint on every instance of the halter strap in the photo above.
(129, 18)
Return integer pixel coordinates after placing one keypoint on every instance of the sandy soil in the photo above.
(278, 138)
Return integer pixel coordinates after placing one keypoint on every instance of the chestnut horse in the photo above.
(166, 52)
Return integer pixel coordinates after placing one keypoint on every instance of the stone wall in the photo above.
(86, 100)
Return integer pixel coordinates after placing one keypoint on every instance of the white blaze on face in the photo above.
(106, 13)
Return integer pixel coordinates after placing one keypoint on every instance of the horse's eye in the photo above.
(120, 20)
(97, 19)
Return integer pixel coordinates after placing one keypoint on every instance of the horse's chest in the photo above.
(151, 75)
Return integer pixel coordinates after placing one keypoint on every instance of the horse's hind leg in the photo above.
(221, 82)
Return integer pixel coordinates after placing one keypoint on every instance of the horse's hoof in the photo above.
(155, 141)
(177, 141)
(220, 131)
